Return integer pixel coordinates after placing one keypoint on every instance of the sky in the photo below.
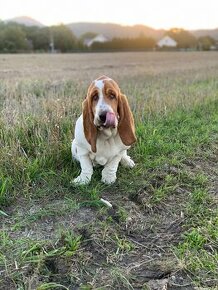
(188, 14)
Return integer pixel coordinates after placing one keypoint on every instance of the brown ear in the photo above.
(90, 130)
(126, 126)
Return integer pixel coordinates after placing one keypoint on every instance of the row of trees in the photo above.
(16, 38)
(19, 38)
(124, 44)
(186, 40)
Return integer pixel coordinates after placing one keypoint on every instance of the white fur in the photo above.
(101, 105)
(110, 151)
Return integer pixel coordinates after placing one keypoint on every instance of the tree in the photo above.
(205, 42)
(63, 38)
(183, 38)
(126, 44)
(41, 39)
(13, 39)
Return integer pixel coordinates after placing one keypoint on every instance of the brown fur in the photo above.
(120, 106)
(126, 126)
(90, 130)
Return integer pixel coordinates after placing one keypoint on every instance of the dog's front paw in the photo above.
(108, 179)
(127, 162)
(81, 180)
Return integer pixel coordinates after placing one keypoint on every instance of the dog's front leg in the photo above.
(110, 170)
(126, 160)
(86, 170)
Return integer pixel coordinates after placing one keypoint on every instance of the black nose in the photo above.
(102, 117)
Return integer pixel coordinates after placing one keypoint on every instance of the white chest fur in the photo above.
(108, 145)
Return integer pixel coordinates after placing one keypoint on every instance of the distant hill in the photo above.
(25, 20)
(203, 32)
(111, 30)
(115, 30)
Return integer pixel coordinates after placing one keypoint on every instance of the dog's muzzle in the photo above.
(107, 119)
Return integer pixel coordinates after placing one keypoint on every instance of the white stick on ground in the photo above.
(106, 202)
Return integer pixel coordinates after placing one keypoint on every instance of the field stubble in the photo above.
(162, 230)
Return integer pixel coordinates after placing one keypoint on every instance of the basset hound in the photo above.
(103, 132)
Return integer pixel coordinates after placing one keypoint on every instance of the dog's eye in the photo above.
(112, 96)
(95, 97)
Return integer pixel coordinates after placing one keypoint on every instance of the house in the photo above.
(166, 41)
(98, 38)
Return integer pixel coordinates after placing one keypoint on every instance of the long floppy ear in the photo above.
(126, 126)
(90, 130)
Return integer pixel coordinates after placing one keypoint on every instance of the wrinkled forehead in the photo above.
(103, 84)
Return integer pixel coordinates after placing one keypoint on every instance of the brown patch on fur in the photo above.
(90, 130)
(126, 126)
(118, 102)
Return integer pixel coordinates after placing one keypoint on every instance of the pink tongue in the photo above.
(110, 120)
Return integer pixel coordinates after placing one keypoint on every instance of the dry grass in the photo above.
(153, 81)
(120, 66)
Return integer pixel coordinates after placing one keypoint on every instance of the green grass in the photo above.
(55, 234)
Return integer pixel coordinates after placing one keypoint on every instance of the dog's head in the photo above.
(106, 107)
